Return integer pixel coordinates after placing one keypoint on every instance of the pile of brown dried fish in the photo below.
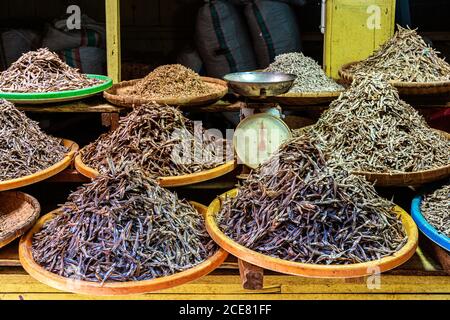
(122, 227)
(160, 140)
(310, 76)
(370, 129)
(405, 57)
(296, 208)
(24, 148)
(172, 81)
(42, 71)
(436, 209)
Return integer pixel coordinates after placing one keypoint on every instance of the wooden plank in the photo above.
(231, 284)
(95, 105)
(68, 296)
(252, 277)
(9, 256)
(113, 54)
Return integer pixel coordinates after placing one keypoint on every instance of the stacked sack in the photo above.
(242, 35)
(83, 49)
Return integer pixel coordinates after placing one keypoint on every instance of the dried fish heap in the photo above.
(172, 81)
(122, 227)
(294, 207)
(370, 129)
(160, 140)
(405, 57)
(24, 148)
(310, 76)
(42, 71)
(436, 209)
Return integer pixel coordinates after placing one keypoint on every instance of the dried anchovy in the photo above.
(172, 81)
(160, 140)
(24, 148)
(296, 208)
(436, 209)
(122, 227)
(405, 57)
(310, 76)
(42, 71)
(370, 129)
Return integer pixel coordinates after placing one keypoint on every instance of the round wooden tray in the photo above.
(406, 88)
(119, 94)
(311, 270)
(44, 174)
(416, 178)
(22, 210)
(58, 96)
(173, 181)
(427, 229)
(404, 179)
(111, 288)
(305, 98)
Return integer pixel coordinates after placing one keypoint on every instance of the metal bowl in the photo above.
(260, 84)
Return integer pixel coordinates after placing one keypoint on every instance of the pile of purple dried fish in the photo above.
(42, 71)
(296, 208)
(122, 227)
(160, 140)
(24, 148)
(436, 209)
(369, 128)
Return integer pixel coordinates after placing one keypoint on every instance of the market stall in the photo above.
(351, 203)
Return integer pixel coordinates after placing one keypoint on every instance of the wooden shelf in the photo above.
(419, 278)
(90, 105)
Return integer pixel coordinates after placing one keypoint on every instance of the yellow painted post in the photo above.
(354, 29)
(113, 38)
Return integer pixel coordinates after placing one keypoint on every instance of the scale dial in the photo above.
(257, 137)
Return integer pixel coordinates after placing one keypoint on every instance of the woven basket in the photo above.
(408, 178)
(18, 213)
(406, 88)
(401, 179)
(119, 95)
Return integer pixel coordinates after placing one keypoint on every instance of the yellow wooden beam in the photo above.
(112, 8)
(354, 29)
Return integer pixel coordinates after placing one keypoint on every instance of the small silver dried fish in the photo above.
(369, 128)
(405, 57)
(310, 76)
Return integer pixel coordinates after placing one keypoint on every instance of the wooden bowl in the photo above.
(305, 269)
(172, 181)
(404, 179)
(111, 288)
(44, 174)
(401, 179)
(306, 98)
(403, 87)
(18, 213)
(119, 94)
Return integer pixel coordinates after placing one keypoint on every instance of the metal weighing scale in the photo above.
(261, 130)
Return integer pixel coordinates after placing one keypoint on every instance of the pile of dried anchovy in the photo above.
(371, 129)
(172, 81)
(24, 148)
(296, 208)
(160, 140)
(310, 76)
(42, 71)
(122, 227)
(436, 209)
(405, 57)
